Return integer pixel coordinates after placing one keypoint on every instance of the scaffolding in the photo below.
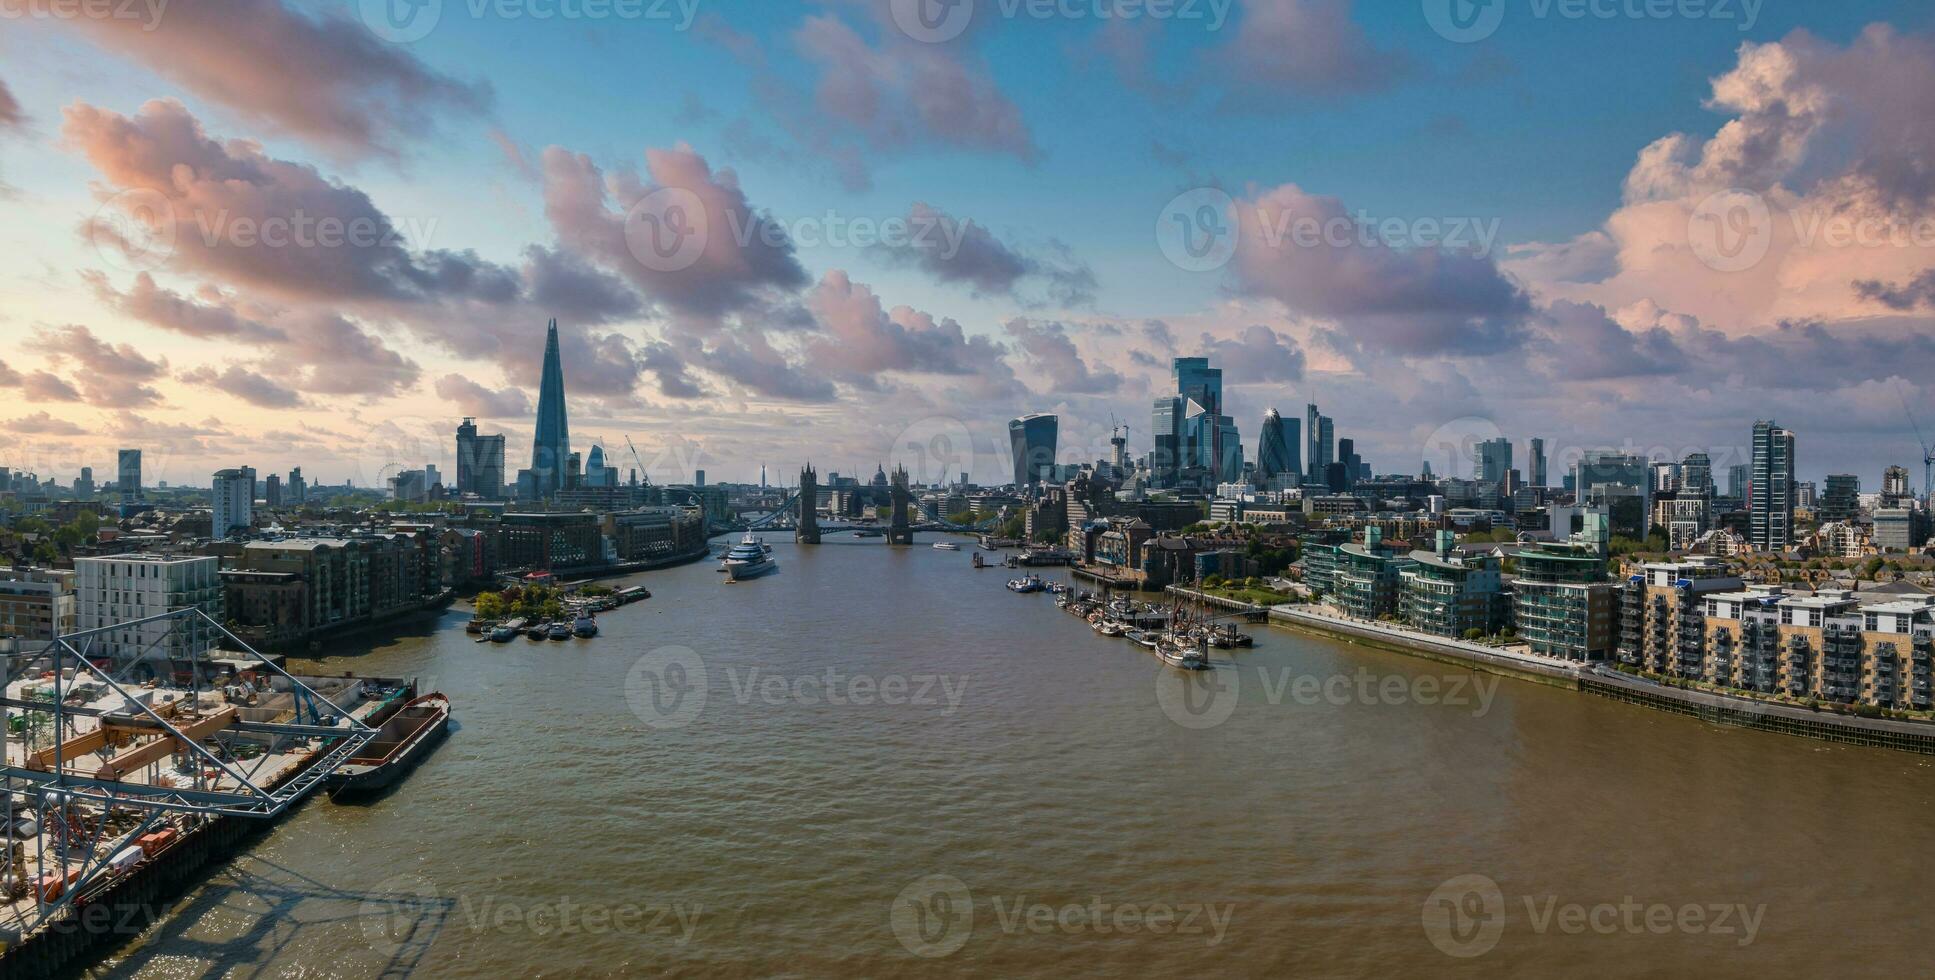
(99, 773)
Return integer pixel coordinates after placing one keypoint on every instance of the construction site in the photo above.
(115, 792)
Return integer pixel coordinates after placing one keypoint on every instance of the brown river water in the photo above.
(879, 762)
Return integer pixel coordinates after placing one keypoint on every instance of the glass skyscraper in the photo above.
(551, 449)
(1033, 440)
(1771, 509)
(1279, 456)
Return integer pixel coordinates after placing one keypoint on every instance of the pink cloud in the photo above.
(326, 79)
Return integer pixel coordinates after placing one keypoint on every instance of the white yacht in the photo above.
(750, 558)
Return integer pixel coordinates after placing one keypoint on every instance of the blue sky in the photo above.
(1539, 127)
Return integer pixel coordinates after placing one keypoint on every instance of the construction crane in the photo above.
(1928, 452)
(643, 476)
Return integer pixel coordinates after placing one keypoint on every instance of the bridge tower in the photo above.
(808, 531)
(900, 531)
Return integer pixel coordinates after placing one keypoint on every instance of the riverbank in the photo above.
(1599, 680)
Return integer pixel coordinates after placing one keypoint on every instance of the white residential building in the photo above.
(125, 588)
(234, 501)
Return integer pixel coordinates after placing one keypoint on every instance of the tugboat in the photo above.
(586, 626)
(749, 559)
(401, 743)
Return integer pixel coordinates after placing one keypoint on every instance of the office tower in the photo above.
(551, 448)
(598, 474)
(1165, 453)
(1493, 459)
(234, 501)
(84, 484)
(1620, 483)
(698, 478)
(1771, 525)
(1326, 440)
(129, 480)
(1118, 452)
(1842, 497)
(1696, 475)
(1894, 487)
(1279, 456)
(1538, 463)
(1312, 458)
(1739, 479)
(1347, 467)
(1032, 439)
(298, 487)
(1196, 380)
(480, 462)
(272, 491)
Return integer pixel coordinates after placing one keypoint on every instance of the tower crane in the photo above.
(1928, 452)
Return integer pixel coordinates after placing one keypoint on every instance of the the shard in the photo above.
(551, 450)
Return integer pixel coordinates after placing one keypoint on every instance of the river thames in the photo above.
(879, 762)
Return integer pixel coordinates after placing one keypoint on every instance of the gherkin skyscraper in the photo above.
(551, 450)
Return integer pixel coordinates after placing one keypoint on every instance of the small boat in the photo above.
(946, 546)
(503, 634)
(586, 626)
(538, 631)
(1142, 638)
(1180, 655)
(478, 625)
(402, 742)
(1026, 584)
(1110, 627)
(749, 559)
(559, 631)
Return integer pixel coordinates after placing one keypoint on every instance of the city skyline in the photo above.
(1595, 318)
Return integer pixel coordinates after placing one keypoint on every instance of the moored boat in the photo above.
(1026, 584)
(401, 743)
(586, 626)
(558, 631)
